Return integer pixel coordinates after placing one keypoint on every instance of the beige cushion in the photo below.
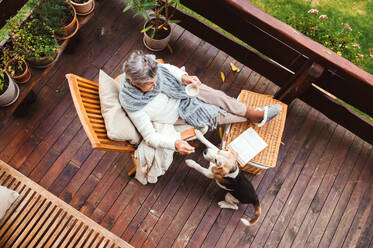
(118, 125)
(7, 197)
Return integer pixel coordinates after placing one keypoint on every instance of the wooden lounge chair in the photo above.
(87, 104)
(40, 219)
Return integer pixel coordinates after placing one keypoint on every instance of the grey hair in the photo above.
(140, 67)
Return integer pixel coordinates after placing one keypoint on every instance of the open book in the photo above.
(248, 144)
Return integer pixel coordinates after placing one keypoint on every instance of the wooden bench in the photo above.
(40, 219)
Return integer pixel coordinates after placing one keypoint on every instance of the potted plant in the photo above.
(157, 29)
(83, 7)
(15, 65)
(9, 91)
(18, 70)
(34, 41)
(59, 15)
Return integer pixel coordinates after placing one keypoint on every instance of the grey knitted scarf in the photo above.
(194, 111)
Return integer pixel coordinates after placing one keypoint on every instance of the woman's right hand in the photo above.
(183, 147)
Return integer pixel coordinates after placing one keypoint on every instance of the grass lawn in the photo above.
(357, 13)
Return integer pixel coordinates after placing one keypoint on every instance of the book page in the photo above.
(247, 145)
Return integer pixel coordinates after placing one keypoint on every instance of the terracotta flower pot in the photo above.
(11, 94)
(24, 77)
(70, 29)
(43, 62)
(156, 44)
(84, 8)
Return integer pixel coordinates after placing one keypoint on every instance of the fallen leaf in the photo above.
(222, 76)
(220, 133)
(234, 68)
(170, 48)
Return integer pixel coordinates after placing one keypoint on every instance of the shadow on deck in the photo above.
(320, 193)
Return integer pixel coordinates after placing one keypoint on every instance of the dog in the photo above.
(224, 169)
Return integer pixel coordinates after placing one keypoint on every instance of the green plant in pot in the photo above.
(83, 7)
(60, 15)
(9, 91)
(34, 41)
(15, 65)
(157, 29)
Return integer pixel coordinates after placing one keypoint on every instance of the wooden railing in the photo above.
(296, 63)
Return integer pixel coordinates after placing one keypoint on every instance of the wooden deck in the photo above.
(319, 195)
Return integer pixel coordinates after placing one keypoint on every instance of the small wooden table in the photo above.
(270, 132)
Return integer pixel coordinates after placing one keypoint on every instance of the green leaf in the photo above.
(146, 29)
(126, 8)
(153, 34)
(144, 14)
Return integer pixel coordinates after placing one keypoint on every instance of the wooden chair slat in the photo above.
(92, 106)
(93, 101)
(84, 237)
(100, 130)
(60, 216)
(88, 91)
(63, 233)
(77, 236)
(95, 125)
(97, 121)
(84, 80)
(28, 223)
(40, 227)
(87, 85)
(29, 198)
(71, 234)
(89, 96)
(93, 111)
(95, 116)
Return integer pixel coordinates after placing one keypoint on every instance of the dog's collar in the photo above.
(234, 173)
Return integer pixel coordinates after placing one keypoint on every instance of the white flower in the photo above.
(323, 17)
(313, 11)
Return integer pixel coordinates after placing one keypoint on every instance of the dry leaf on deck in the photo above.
(222, 76)
(169, 48)
(235, 68)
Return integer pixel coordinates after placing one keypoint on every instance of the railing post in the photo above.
(301, 81)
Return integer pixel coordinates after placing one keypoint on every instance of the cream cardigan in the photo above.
(162, 109)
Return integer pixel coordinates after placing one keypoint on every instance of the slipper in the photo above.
(270, 112)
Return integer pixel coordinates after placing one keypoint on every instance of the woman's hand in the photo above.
(183, 147)
(186, 79)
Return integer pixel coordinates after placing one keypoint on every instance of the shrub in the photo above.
(331, 32)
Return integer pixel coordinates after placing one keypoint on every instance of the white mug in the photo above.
(192, 90)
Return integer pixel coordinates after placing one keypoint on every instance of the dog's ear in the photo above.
(218, 174)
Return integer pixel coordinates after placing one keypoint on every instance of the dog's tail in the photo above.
(255, 218)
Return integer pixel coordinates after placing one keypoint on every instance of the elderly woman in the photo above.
(154, 92)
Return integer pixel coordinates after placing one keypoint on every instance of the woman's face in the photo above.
(146, 86)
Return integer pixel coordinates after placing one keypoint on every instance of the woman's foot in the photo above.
(270, 112)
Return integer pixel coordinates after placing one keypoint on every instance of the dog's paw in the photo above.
(224, 204)
(190, 163)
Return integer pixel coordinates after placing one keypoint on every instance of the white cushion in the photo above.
(118, 126)
(7, 197)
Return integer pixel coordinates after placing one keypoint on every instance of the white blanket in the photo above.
(154, 162)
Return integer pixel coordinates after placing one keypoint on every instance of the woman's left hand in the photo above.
(186, 79)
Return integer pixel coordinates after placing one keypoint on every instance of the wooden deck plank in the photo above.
(266, 197)
(42, 148)
(320, 175)
(87, 196)
(291, 204)
(322, 191)
(332, 199)
(361, 219)
(354, 191)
